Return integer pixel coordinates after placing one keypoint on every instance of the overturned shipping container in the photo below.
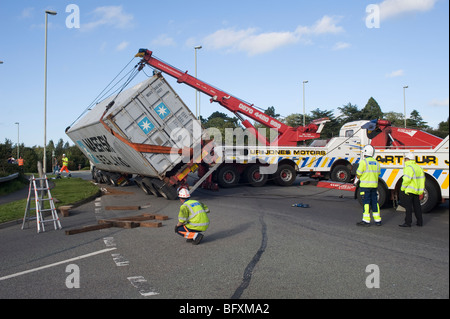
(143, 132)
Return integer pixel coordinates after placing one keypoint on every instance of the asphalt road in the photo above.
(257, 247)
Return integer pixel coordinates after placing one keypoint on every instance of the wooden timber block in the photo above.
(88, 228)
(122, 207)
(64, 210)
(135, 218)
(119, 223)
(150, 224)
(161, 217)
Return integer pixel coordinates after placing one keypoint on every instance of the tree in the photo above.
(396, 119)
(220, 121)
(371, 111)
(349, 113)
(331, 128)
(416, 121)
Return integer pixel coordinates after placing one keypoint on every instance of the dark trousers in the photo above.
(186, 232)
(412, 202)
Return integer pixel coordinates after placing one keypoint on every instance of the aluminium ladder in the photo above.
(40, 198)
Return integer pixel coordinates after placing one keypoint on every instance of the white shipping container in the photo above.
(149, 113)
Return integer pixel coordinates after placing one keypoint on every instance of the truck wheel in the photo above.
(285, 175)
(148, 185)
(228, 176)
(167, 191)
(254, 176)
(341, 173)
(430, 197)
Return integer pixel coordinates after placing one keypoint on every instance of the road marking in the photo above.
(57, 263)
(120, 260)
(142, 285)
(109, 241)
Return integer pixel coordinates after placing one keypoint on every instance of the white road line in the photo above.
(57, 263)
(142, 285)
(109, 241)
(120, 260)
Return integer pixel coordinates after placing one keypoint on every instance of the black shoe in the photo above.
(198, 239)
(419, 225)
(378, 223)
(404, 225)
(362, 223)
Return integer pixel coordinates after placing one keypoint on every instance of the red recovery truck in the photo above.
(229, 174)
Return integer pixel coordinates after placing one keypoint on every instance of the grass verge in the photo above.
(67, 190)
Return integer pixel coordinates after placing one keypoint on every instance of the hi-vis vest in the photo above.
(368, 170)
(194, 215)
(413, 179)
(65, 161)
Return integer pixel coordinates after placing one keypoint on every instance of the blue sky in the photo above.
(258, 51)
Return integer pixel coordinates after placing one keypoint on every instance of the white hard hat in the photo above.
(184, 193)
(368, 150)
(64, 154)
(410, 155)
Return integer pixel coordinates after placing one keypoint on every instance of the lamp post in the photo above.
(17, 139)
(47, 12)
(404, 101)
(197, 104)
(304, 82)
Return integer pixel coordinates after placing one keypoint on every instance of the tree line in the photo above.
(349, 112)
(31, 155)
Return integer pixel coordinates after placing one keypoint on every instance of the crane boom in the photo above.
(287, 136)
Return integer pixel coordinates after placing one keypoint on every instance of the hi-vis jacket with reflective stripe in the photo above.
(194, 215)
(368, 172)
(413, 179)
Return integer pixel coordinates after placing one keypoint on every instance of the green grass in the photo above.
(67, 190)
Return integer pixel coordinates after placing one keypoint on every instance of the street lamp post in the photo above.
(197, 104)
(404, 102)
(47, 12)
(304, 82)
(17, 139)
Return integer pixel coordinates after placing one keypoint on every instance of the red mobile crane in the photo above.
(287, 136)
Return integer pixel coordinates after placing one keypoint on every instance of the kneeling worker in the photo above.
(192, 218)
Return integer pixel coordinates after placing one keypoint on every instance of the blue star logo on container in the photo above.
(146, 126)
(162, 111)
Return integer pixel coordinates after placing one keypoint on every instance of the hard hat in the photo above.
(64, 154)
(368, 150)
(410, 156)
(184, 193)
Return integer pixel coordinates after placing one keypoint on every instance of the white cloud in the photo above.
(252, 42)
(443, 102)
(122, 46)
(392, 8)
(112, 16)
(164, 40)
(27, 13)
(341, 46)
(395, 74)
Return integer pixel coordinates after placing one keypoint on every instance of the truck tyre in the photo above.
(228, 176)
(341, 173)
(430, 197)
(167, 191)
(254, 176)
(147, 184)
(285, 175)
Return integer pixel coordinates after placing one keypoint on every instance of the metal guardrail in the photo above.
(8, 178)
